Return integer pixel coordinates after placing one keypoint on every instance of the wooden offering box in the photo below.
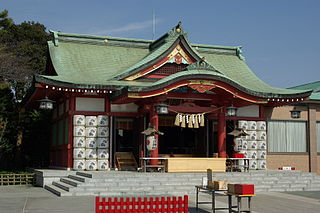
(243, 189)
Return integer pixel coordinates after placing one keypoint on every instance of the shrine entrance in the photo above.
(191, 142)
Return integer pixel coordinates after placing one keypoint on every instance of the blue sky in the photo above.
(280, 39)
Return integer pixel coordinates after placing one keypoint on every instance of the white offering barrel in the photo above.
(79, 120)
(91, 132)
(240, 144)
(261, 154)
(79, 131)
(103, 153)
(103, 131)
(261, 135)
(253, 164)
(91, 164)
(262, 145)
(103, 142)
(243, 124)
(261, 125)
(252, 145)
(79, 142)
(252, 135)
(79, 164)
(252, 125)
(79, 153)
(91, 143)
(91, 153)
(103, 165)
(252, 154)
(91, 121)
(103, 120)
(262, 164)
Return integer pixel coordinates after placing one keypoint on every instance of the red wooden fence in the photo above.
(145, 204)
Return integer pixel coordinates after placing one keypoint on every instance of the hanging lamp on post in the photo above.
(295, 113)
(46, 103)
(231, 111)
(162, 108)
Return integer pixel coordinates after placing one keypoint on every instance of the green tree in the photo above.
(23, 51)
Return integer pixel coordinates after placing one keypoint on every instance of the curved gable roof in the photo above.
(159, 49)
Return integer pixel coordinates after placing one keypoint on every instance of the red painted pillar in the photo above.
(262, 112)
(154, 121)
(141, 137)
(107, 105)
(222, 135)
(70, 134)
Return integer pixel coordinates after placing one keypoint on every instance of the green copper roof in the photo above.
(315, 86)
(208, 72)
(83, 61)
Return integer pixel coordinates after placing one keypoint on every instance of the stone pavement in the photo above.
(28, 199)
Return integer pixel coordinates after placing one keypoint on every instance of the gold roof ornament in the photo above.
(178, 27)
(238, 132)
(152, 131)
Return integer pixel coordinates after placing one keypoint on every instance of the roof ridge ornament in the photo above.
(239, 53)
(170, 36)
(202, 65)
(54, 37)
(177, 31)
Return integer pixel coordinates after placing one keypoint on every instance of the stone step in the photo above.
(279, 189)
(294, 189)
(61, 185)
(84, 174)
(78, 178)
(140, 179)
(131, 193)
(56, 190)
(314, 185)
(136, 174)
(71, 182)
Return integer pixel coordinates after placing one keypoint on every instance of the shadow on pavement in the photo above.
(308, 194)
(193, 210)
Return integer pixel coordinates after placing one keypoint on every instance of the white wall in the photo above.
(124, 107)
(90, 104)
(248, 111)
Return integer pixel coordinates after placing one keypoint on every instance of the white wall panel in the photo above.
(124, 107)
(90, 104)
(248, 111)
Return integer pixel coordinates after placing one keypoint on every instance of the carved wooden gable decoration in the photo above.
(176, 60)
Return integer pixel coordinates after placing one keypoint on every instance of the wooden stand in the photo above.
(239, 200)
(195, 164)
(126, 161)
(213, 193)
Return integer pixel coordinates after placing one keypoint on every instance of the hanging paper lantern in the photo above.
(196, 123)
(177, 121)
(190, 124)
(183, 123)
(151, 142)
(202, 120)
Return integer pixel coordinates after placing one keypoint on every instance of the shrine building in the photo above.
(105, 91)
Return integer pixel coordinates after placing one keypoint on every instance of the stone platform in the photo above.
(125, 183)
